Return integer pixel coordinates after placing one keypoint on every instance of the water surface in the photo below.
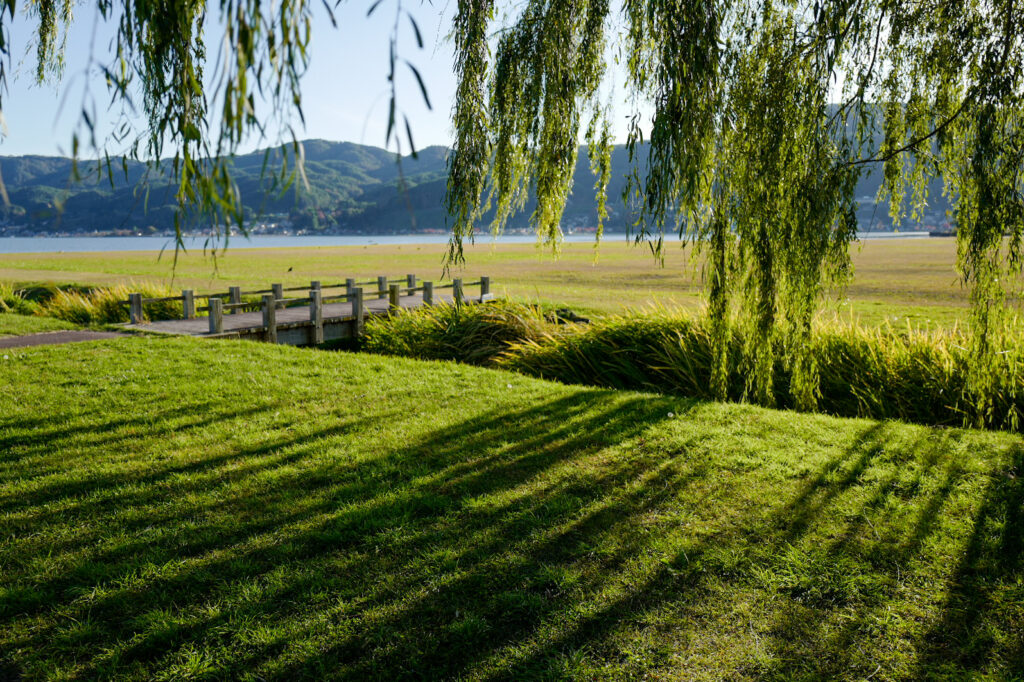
(102, 244)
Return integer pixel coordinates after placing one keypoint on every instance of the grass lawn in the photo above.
(895, 281)
(16, 325)
(176, 509)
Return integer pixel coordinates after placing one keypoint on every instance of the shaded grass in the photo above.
(902, 279)
(286, 513)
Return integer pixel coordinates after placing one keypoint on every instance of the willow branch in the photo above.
(913, 143)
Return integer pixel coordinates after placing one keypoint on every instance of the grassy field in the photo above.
(16, 325)
(189, 509)
(895, 281)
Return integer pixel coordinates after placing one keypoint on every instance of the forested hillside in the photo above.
(352, 189)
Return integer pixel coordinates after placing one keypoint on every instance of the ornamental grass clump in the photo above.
(880, 373)
(659, 351)
(13, 300)
(107, 305)
(475, 334)
(884, 373)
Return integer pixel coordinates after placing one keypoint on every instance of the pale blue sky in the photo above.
(345, 91)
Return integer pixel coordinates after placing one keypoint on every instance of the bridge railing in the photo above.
(273, 299)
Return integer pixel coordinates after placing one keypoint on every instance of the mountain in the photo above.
(352, 189)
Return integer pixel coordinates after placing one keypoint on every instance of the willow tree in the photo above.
(159, 68)
(764, 113)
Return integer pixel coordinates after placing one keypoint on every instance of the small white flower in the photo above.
(508, 385)
(671, 414)
(7, 357)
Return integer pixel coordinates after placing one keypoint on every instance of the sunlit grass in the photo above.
(175, 509)
(12, 324)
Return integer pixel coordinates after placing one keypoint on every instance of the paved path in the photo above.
(52, 338)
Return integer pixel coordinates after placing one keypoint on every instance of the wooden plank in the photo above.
(188, 304)
(395, 297)
(216, 316)
(135, 308)
(270, 318)
(316, 316)
(357, 310)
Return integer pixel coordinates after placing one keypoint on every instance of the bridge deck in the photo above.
(253, 321)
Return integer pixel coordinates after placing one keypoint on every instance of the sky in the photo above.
(345, 90)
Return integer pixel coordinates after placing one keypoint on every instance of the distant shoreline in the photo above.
(28, 245)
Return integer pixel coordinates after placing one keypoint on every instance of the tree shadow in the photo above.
(545, 541)
(855, 578)
(108, 434)
(986, 585)
(348, 504)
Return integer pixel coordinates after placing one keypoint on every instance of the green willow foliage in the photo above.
(765, 114)
(158, 70)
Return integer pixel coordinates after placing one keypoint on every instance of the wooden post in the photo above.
(350, 286)
(485, 288)
(270, 318)
(395, 296)
(314, 285)
(216, 315)
(135, 308)
(278, 290)
(410, 282)
(188, 304)
(428, 293)
(382, 286)
(357, 310)
(457, 291)
(234, 296)
(316, 315)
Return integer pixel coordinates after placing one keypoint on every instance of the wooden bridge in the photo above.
(309, 320)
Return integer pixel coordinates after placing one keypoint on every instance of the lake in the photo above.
(103, 244)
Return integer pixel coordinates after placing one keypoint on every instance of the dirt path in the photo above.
(51, 338)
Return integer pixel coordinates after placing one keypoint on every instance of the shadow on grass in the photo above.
(966, 637)
(570, 538)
